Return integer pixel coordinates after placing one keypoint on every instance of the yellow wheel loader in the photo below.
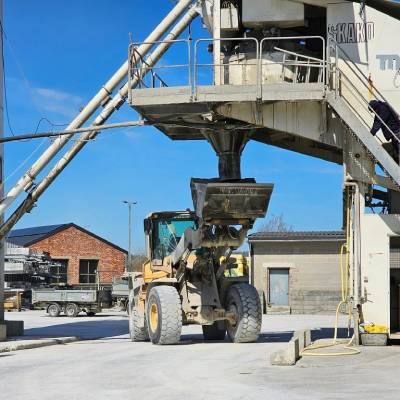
(184, 280)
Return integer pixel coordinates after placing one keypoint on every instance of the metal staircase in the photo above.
(347, 85)
(363, 135)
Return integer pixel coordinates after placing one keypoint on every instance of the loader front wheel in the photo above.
(216, 331)
(164, 315)
(243, 300)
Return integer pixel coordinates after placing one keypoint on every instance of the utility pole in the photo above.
(130, 204)
(2, 241)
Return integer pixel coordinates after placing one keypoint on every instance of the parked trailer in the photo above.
(120, 293)
(71, 302)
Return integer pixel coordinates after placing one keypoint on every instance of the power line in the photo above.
(29, 87)
(3, 36)
(37, 135)
(47, 120)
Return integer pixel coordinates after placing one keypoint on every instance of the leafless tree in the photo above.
(276, 223)
(137, 261)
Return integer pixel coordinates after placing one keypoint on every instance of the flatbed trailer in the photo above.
(71, 302)
(120, 293)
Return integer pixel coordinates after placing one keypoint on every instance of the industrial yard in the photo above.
(199, 199)
(112, 366)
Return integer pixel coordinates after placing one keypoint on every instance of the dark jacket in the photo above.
(388, 115)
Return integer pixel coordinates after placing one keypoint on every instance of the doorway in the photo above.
(278, 286)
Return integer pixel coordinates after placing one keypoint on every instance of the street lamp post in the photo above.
(130, 204)
(2, 241)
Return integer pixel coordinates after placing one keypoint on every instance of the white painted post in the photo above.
(217, 43)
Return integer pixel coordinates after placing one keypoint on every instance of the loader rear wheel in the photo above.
(164, 315)
(137, 333)
(243, 300)
(216, 331)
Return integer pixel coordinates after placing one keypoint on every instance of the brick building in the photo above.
(297, 272)
(83, 255)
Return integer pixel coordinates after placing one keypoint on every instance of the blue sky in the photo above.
(66, 50)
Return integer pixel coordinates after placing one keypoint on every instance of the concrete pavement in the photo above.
(113, 367)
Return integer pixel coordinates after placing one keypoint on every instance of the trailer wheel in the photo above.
(54, 310)
(71, 310)
(216, 331)
(243, 300)
(164, 315)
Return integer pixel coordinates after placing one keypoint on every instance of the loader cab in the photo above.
(164, 230)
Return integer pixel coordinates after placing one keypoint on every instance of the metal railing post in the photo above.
(336, 72)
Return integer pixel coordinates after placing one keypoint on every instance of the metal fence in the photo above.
(244, 61)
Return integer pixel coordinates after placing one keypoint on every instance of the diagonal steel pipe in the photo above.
(113, 105)
(26, 181)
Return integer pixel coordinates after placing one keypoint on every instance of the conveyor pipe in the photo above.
(114, 104)
(26, 181)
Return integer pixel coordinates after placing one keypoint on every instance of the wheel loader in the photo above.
(184, 280)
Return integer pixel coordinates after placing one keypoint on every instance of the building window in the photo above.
(59, 272)
(88, 271)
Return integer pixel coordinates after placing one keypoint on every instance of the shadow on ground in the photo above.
(273, 337)
(93, 329)
(99, 328)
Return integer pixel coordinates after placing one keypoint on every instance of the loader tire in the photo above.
(243, 300)
(164, 315)
(136, 332)
(216, 331)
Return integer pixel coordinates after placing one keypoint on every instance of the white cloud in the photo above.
(58, 102)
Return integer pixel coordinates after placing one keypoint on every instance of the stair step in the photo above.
(362, 133)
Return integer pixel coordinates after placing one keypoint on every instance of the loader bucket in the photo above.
(230, 203)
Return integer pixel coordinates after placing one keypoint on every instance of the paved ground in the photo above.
(113, 367)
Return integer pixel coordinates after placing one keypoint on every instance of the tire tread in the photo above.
(249, 326)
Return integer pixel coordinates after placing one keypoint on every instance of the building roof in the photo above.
(27, 236)
(297, 236)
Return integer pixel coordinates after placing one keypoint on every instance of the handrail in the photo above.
(280, 38)
(144, 61)
(241, 39)
(351, 64)
(193, 65)
(298, 55)
(332, 40)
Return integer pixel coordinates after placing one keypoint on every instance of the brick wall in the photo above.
(72, 244)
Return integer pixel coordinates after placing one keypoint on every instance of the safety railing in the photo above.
(244, 62)
(150, 73)
(350, 83)
(295, 62)
(236, 68)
